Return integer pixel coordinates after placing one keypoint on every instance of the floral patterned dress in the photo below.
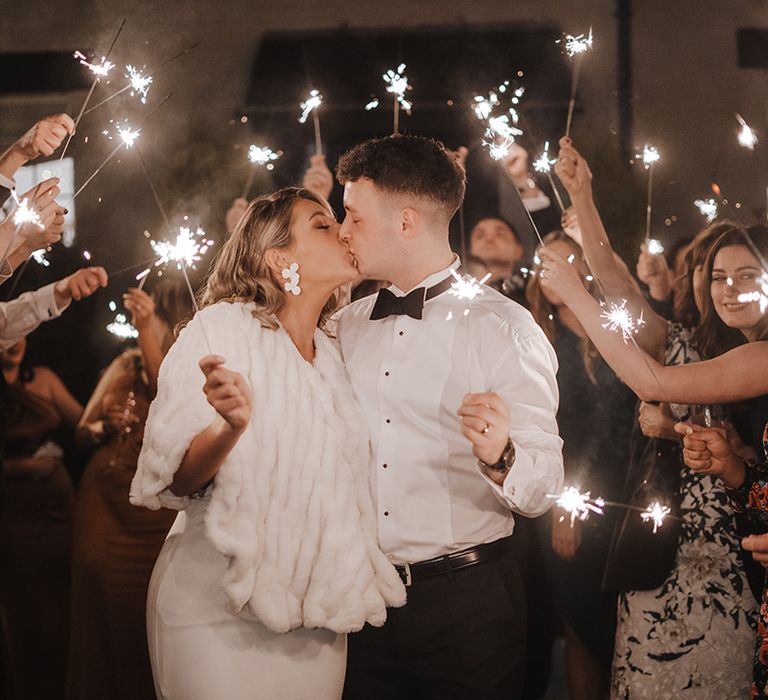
(752, 499)
(692, 636)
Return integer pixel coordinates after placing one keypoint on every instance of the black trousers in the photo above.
(459, 636)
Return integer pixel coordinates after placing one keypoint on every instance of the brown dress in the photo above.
(35, 541)
(115, 547)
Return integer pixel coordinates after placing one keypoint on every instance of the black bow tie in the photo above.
(412, 304)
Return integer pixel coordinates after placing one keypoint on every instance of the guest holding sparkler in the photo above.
(731, 270)
(461, 410)
(42, 139)
(274, 557)
(593, 403)
(711, 451)
(115, 544)
(36, 517)
(36, 221)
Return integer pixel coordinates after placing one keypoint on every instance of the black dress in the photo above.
(595, 421)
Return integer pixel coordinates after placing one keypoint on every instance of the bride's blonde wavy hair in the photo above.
(240, 272)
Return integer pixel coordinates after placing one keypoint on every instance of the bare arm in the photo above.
(41, 140)
(739, 374)
(614, 279)
(143, 317)
(229, 394)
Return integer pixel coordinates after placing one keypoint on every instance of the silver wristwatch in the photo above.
(505, 462)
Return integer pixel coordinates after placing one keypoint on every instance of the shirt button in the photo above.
(388, 421)
(400, 333)
(386, 374)
(386, 512)
(384, 466)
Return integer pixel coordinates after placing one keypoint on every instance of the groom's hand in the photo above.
(485, 423)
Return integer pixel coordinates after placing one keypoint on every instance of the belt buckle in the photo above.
(406, 575)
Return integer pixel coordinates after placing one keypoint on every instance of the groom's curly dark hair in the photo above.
(407, 165)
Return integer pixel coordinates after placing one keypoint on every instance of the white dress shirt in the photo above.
(410, 377)
(19, 317)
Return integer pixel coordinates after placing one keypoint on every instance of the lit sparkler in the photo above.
(650, 156)
(543, 164)
(98, 69)
(127, 137)
(103, 68)
(575, 48)
(498, 149)
(575, 45)
(186, 250)
(747, 136)
(25, 213)
(466, 287)
(707, 208)
(39, 257)
(261, 156)
(654, 246)
(398, 85)
(619, 319)
(656, 513)
(139, 82)
(576, 504)
(314, 101)
(121, 328)
(372, 104)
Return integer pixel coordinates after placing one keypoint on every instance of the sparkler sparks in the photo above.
(619, 319)
(188, 248)
(575, 45)
(650, 155)
(139, 82)
(467, 287)
(398, 85)
(654, 246)
(657, 513)
(372, 104)
(707, 208)
(543, 164)
(121, 328)
(259, 155)
(314, 100)
(25, 214)
(100, 69)
(747, 136)
(498, 150)
(39, 257)
(578, 505)
(128, 135)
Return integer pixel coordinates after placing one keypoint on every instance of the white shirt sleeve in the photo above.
(537, 203)
(525, 379)
(19, 317)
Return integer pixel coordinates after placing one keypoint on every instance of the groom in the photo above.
(461, 411)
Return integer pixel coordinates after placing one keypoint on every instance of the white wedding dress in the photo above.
(198, 653)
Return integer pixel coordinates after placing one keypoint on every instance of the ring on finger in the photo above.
(485, 430)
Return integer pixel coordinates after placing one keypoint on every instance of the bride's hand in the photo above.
(227, 392)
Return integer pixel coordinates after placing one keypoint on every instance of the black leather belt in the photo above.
(448, 563)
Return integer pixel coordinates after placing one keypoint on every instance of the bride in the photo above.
(273, 557)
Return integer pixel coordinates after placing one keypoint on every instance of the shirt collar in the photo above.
(430, 281)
